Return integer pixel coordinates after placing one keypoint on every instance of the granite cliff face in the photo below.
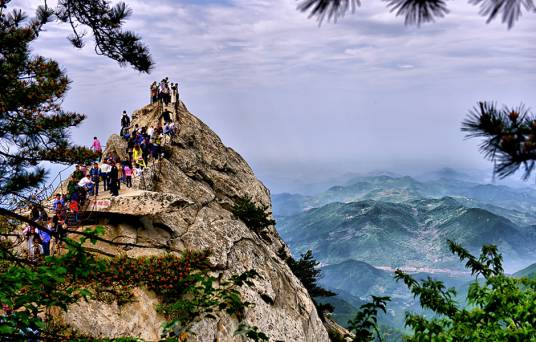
(184, 202)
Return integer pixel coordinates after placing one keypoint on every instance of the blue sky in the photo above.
(302, 101)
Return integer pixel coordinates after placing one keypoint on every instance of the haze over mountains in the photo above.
(367, 226)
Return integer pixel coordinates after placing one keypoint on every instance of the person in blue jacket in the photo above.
(94, 172)
(45, 241)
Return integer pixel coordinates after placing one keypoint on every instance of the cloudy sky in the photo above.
(299, 100)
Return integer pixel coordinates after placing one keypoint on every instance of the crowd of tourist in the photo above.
(144, 144)
(85, 181)
(164, 91)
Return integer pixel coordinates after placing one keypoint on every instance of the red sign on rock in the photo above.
(99, 204)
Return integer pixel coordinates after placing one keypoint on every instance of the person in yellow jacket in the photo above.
(137, 155)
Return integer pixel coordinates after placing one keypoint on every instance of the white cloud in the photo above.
(367, 88)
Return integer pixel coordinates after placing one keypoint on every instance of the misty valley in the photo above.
(364, 228)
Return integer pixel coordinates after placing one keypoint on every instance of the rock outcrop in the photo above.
(184, 202)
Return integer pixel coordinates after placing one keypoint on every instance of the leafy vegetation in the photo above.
(364, 326)
(186, 290)
(255, 217)
(306, 269)
(497, 308)
(35, 129)
(501, 308)
(29, 290)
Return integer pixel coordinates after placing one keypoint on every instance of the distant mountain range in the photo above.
(366, 227)
(412, 234)
(517, 204)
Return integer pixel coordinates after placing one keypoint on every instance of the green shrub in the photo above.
(500, 307)
(255, 217)
(364, 326)
(306, 270)
(186, 290)
(183, 283)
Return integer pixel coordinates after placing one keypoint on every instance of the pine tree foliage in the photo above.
(255, 217)
(105, 23)
(509, 136)
(418, 12)
(328, 9)
(307, 271)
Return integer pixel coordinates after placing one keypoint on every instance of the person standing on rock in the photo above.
(57, 201)
(74, 208)
(161, 94)
(45, 241)
(114, 179)
(78, 174)
(155, 146)
(127, 171)
(87, 184)
(137, 137)
(125, 121)
(34, 212)
(96, 146)
(138, 155)
(119, 174)
(71, 188)
(166, 116)
(174, 94)
(145, 149)
(165, 92)
(150, 132)
(154, 92)
(130, 148)
(83, 169)
(169, 128)
(94, 172)
(29, 233)
(104, 172)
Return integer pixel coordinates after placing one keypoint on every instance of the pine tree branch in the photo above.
(417, 12)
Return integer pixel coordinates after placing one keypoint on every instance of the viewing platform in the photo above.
(135, 202)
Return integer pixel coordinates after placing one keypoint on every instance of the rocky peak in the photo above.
(183, 202)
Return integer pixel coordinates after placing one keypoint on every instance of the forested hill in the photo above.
(411, 234)
(399, 221)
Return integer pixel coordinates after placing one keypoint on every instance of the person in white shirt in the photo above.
(87, 184)
(30, 232)
(105, 169)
